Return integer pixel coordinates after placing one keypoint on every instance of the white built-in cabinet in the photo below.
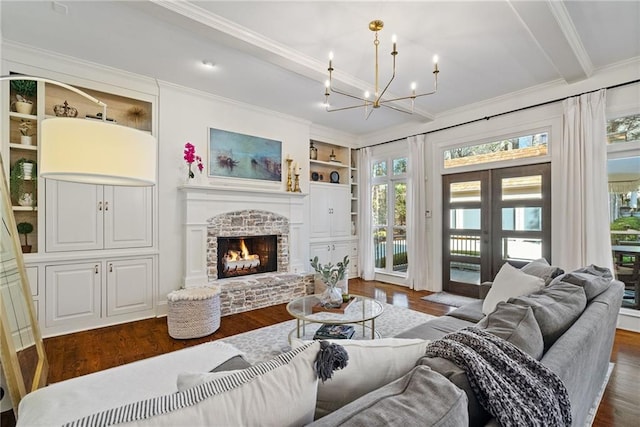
(82, 294)
(329, 205)
(88, 217)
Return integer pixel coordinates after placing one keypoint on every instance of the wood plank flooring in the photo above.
(90, 351)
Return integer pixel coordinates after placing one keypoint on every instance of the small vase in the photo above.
(27, 169)
(331, 297)
(24, 107)
(25, 140)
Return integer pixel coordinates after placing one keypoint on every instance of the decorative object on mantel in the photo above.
(313, 152)
(379, 92)
(289, 180)
(24, 128)
(65, 110)
(331, 275)
(190, 157)
(296, 184)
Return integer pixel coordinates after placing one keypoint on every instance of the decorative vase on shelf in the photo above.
(24, 107)
(313, 152)
(26, 140)
(27, 169)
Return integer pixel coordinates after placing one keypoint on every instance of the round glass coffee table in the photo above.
(360, 311)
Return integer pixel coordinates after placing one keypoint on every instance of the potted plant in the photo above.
(24, 90)
(331, 275)
(21, 170)
(24, 128)
(25, 228)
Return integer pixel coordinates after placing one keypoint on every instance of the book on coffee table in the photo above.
(334, 332)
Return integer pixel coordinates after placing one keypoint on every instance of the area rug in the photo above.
(265, 343)
(449, 299)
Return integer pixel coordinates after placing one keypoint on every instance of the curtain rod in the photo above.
(553, 101)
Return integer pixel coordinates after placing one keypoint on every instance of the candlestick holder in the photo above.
(296, 188)
(289, 182)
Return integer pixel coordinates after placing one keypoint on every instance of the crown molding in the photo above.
(561, 14)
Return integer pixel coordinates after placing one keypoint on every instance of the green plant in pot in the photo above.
(17, 178)
(331, 275)
(24, 89)
(25, 228)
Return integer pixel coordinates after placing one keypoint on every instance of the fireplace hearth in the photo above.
(246, 255)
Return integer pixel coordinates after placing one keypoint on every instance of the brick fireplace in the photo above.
(213, 214)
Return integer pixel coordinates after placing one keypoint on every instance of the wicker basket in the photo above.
(193, 312)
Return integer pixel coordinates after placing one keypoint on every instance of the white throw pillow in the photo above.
(279, 392)
(372, 364)
(509, 283)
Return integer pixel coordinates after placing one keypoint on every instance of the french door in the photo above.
(491, 217)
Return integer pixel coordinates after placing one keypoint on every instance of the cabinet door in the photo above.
(74, 217)
(127, 217)
(322, 251)
(339, 250)
(340, 212)
(129, 286)
(72, 294)
(319, 197)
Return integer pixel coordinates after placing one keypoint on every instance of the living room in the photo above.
(86, 48)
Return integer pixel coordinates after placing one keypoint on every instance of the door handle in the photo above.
(110, 268)
(100, 205)
(96, 269)
(328, 248)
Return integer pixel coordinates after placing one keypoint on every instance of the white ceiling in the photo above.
(275, 54)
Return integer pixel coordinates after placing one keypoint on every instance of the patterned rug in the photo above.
(265, 343)
(449, 299)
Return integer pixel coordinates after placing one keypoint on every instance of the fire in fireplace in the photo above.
(241, 256)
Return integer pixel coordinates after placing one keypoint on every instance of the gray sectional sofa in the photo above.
(572, 334)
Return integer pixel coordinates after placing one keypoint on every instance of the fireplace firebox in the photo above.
(242, 256)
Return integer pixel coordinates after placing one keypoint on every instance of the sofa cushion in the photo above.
(516, 324)
(541, 268)
(435, 328)
(555, 307)
(372, 364)
(593, 279)
(252, 396)
(478, 416)
(471, 312)
(421, 397)
(510, 282)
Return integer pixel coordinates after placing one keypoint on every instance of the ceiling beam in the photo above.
(552, 29)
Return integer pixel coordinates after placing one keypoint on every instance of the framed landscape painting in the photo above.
(235, 155)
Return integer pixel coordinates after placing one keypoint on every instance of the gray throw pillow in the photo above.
(555, 307)
(541, 268)
(595, 280)
(478, 416)
(421, 397)
(516, 324)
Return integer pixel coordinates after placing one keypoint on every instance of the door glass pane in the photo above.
(464, 272)
(380, 247)
(522, 187)
(465, 245)
(522, 219)
(399, 249)
(521, 248)
(464, 219)
(400, 166)
(465, 191)
(379, 204)
(400, 206)
(379, 168)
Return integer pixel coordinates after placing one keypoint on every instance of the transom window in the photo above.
(623, 129)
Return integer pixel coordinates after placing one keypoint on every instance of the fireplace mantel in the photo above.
(200, 203)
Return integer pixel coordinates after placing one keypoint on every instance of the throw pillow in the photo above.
(555, 307)
(541, 268)
(280, 392)
(372, 364)
(510, 282)
(515, 324)
(593, 279)
(419, 398)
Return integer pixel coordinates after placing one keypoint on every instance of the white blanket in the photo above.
(69, 400)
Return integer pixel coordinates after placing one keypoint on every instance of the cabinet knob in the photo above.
(106, 206)
(333, 247)
(110, 268)
(97, 269)
(99, 206)
(328, 248)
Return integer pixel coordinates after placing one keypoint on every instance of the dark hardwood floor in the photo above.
(90, 351)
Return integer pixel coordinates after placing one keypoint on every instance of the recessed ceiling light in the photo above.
(208, 64)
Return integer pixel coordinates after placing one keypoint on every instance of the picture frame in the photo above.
(237, 155)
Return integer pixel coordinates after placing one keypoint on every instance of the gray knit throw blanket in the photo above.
(512, 386)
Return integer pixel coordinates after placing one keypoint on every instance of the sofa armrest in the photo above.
(484, 289)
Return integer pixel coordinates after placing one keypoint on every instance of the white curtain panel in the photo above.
(365, 242)
(583, 232)
(417, 247)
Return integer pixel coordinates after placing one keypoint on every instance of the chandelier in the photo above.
(378, 96)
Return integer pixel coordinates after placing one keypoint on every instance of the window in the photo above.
(623, 129)
(389, 213)
(507, 149)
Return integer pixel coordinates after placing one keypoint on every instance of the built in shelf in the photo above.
(23, 147)
(25, 208)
